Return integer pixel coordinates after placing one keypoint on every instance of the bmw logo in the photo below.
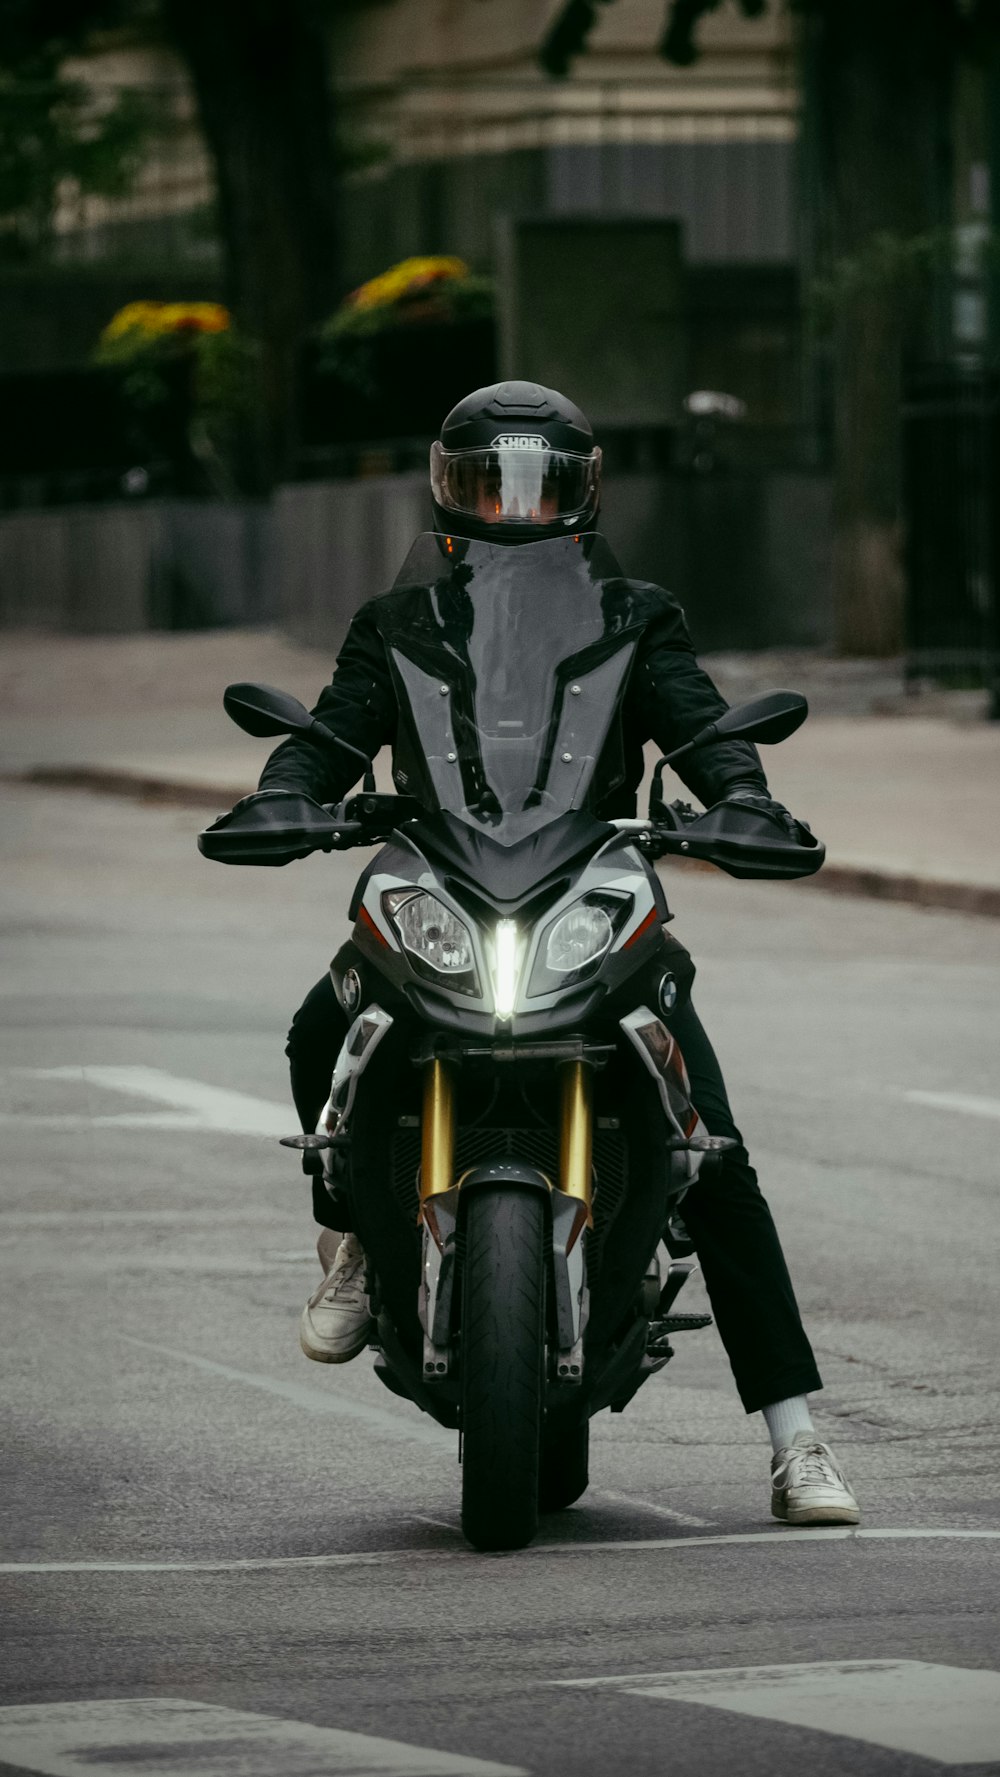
(350, 991)
(667, 994)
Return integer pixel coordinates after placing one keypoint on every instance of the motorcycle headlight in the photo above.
(437, 942)
(572, 947)
(506, 958)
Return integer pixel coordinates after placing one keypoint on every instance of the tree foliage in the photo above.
(57, 141)
(973, 22)
(260, 73)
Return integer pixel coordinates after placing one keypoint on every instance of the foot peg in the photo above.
(658, 1344)
(682, 1323)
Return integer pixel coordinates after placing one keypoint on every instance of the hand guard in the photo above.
(751, 796)
(269, 827)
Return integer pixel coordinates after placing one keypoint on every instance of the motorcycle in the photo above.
(510, 1120)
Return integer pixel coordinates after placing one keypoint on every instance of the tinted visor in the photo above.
(516, 483)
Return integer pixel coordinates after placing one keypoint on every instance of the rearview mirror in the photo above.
(261, 710)
(767, 719)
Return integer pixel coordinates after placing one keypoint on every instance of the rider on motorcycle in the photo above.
(516, 463)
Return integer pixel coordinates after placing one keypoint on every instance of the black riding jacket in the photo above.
(668, 698)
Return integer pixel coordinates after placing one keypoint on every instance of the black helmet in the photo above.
(515, 463)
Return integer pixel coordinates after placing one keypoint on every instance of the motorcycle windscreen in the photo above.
(510, 664)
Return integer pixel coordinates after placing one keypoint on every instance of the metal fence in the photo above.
(951, 455)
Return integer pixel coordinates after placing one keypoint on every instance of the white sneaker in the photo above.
(808, 1486)
(336, 1321)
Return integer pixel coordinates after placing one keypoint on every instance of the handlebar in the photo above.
(736, 837)
(277, 826)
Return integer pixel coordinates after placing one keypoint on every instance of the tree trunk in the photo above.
(260, 74)
(883, 72)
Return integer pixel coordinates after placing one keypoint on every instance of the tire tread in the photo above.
(503, 1347)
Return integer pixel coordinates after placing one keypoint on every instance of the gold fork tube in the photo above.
(437, 1133)
(576, 1125)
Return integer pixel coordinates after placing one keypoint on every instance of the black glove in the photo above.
(261, 839)
(270, 797)
(752, 796)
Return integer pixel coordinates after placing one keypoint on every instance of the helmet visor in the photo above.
(516, 483)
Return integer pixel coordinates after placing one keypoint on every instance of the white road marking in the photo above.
(314, 1400)
(963, 1102)
(168, 1737)
(947, 1713)
(777, 1539)
(646, 1505)
(126, 1120)
(191, 1104)
(26, 1220)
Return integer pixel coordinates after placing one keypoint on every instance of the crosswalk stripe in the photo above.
(658, 1511)
(947, 1713)
(403, 1425)
(168, 1737)
(190, 1104)
(966, 1103)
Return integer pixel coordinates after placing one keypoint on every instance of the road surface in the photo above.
(219, 1558)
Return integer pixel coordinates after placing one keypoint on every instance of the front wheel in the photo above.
(503, 1366)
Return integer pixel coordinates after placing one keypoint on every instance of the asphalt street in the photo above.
(220, 1558)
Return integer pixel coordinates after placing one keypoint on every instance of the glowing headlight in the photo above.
(507, 961)
(438, 943)
(571, 948)
(578, 938)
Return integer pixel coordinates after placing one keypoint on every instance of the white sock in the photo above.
(785, 1418)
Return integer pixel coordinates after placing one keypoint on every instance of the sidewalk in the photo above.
(905, 791)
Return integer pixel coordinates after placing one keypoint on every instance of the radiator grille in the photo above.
(610, 1178)
(535, 1146)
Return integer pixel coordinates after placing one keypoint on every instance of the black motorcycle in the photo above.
(510, 1119)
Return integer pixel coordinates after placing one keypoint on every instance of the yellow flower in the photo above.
(406, 278)
(153, 320)
(138, 315)
(199, 317)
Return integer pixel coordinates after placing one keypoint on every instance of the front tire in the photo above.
(503, 1366)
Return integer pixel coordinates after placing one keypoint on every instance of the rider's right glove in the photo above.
(276, 801)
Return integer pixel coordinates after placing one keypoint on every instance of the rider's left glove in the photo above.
(753, 797)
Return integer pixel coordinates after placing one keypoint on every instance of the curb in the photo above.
(978, 899)
(109, 780)
(918, 891)
(867, 884)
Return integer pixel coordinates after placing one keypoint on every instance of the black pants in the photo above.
(728, 1220)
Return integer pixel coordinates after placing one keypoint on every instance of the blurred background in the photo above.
(252, 251)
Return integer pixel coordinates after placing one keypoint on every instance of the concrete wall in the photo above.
(339, 543)
(748, 555)
(163, 564)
